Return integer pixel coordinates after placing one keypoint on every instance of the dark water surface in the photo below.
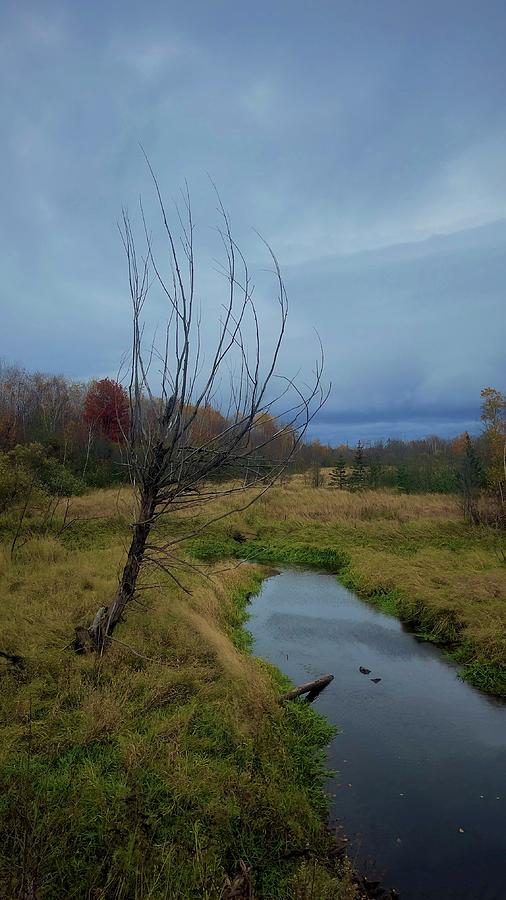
(421, 754)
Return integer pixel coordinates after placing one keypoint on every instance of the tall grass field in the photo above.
(166, 767)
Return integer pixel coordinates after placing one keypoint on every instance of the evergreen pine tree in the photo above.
(375, 471)
(404, 479)
(357, 477)
(338, 477)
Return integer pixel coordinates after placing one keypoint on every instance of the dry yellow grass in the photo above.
(295, 500)
(49, 589)
(117, 501)
(172, 648)
(415, 544)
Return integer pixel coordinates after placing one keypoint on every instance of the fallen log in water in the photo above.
(310, 688)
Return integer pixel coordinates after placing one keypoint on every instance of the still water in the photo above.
(421, 757)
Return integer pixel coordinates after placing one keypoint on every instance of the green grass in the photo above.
(237, 614)
(213, 549)
(132, 777)
(197, 797)
(387, 600)
(486, 676)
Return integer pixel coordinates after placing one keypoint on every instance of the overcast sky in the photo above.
(365, 140)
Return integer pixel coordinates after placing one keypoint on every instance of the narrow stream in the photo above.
(421, 760)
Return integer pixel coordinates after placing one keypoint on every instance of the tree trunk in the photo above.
(108, 617)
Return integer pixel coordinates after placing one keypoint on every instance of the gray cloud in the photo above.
(365, 141)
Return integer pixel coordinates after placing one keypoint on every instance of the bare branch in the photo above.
(202, 432)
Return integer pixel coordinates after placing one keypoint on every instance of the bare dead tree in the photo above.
(174, 466)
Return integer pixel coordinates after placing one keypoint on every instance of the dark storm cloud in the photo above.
(414, 331)
(365, 141)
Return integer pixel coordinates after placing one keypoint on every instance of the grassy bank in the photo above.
(411, 555)
(163, 769)
(166, 767)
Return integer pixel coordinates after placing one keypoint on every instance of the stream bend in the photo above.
(421, 760)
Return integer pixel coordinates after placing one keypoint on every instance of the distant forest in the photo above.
(432, 464)
(68, 436)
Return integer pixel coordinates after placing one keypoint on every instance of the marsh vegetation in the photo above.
(165, 763)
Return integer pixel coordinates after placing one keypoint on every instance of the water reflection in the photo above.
(421, 758)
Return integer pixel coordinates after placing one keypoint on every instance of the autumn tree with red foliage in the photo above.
(106, 408)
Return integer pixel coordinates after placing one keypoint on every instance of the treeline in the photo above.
(432, 464)
(49, 424)
(68, 437)
(419, 466)
(63, 437)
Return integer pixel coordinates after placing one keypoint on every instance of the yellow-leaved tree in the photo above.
(493, 415)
